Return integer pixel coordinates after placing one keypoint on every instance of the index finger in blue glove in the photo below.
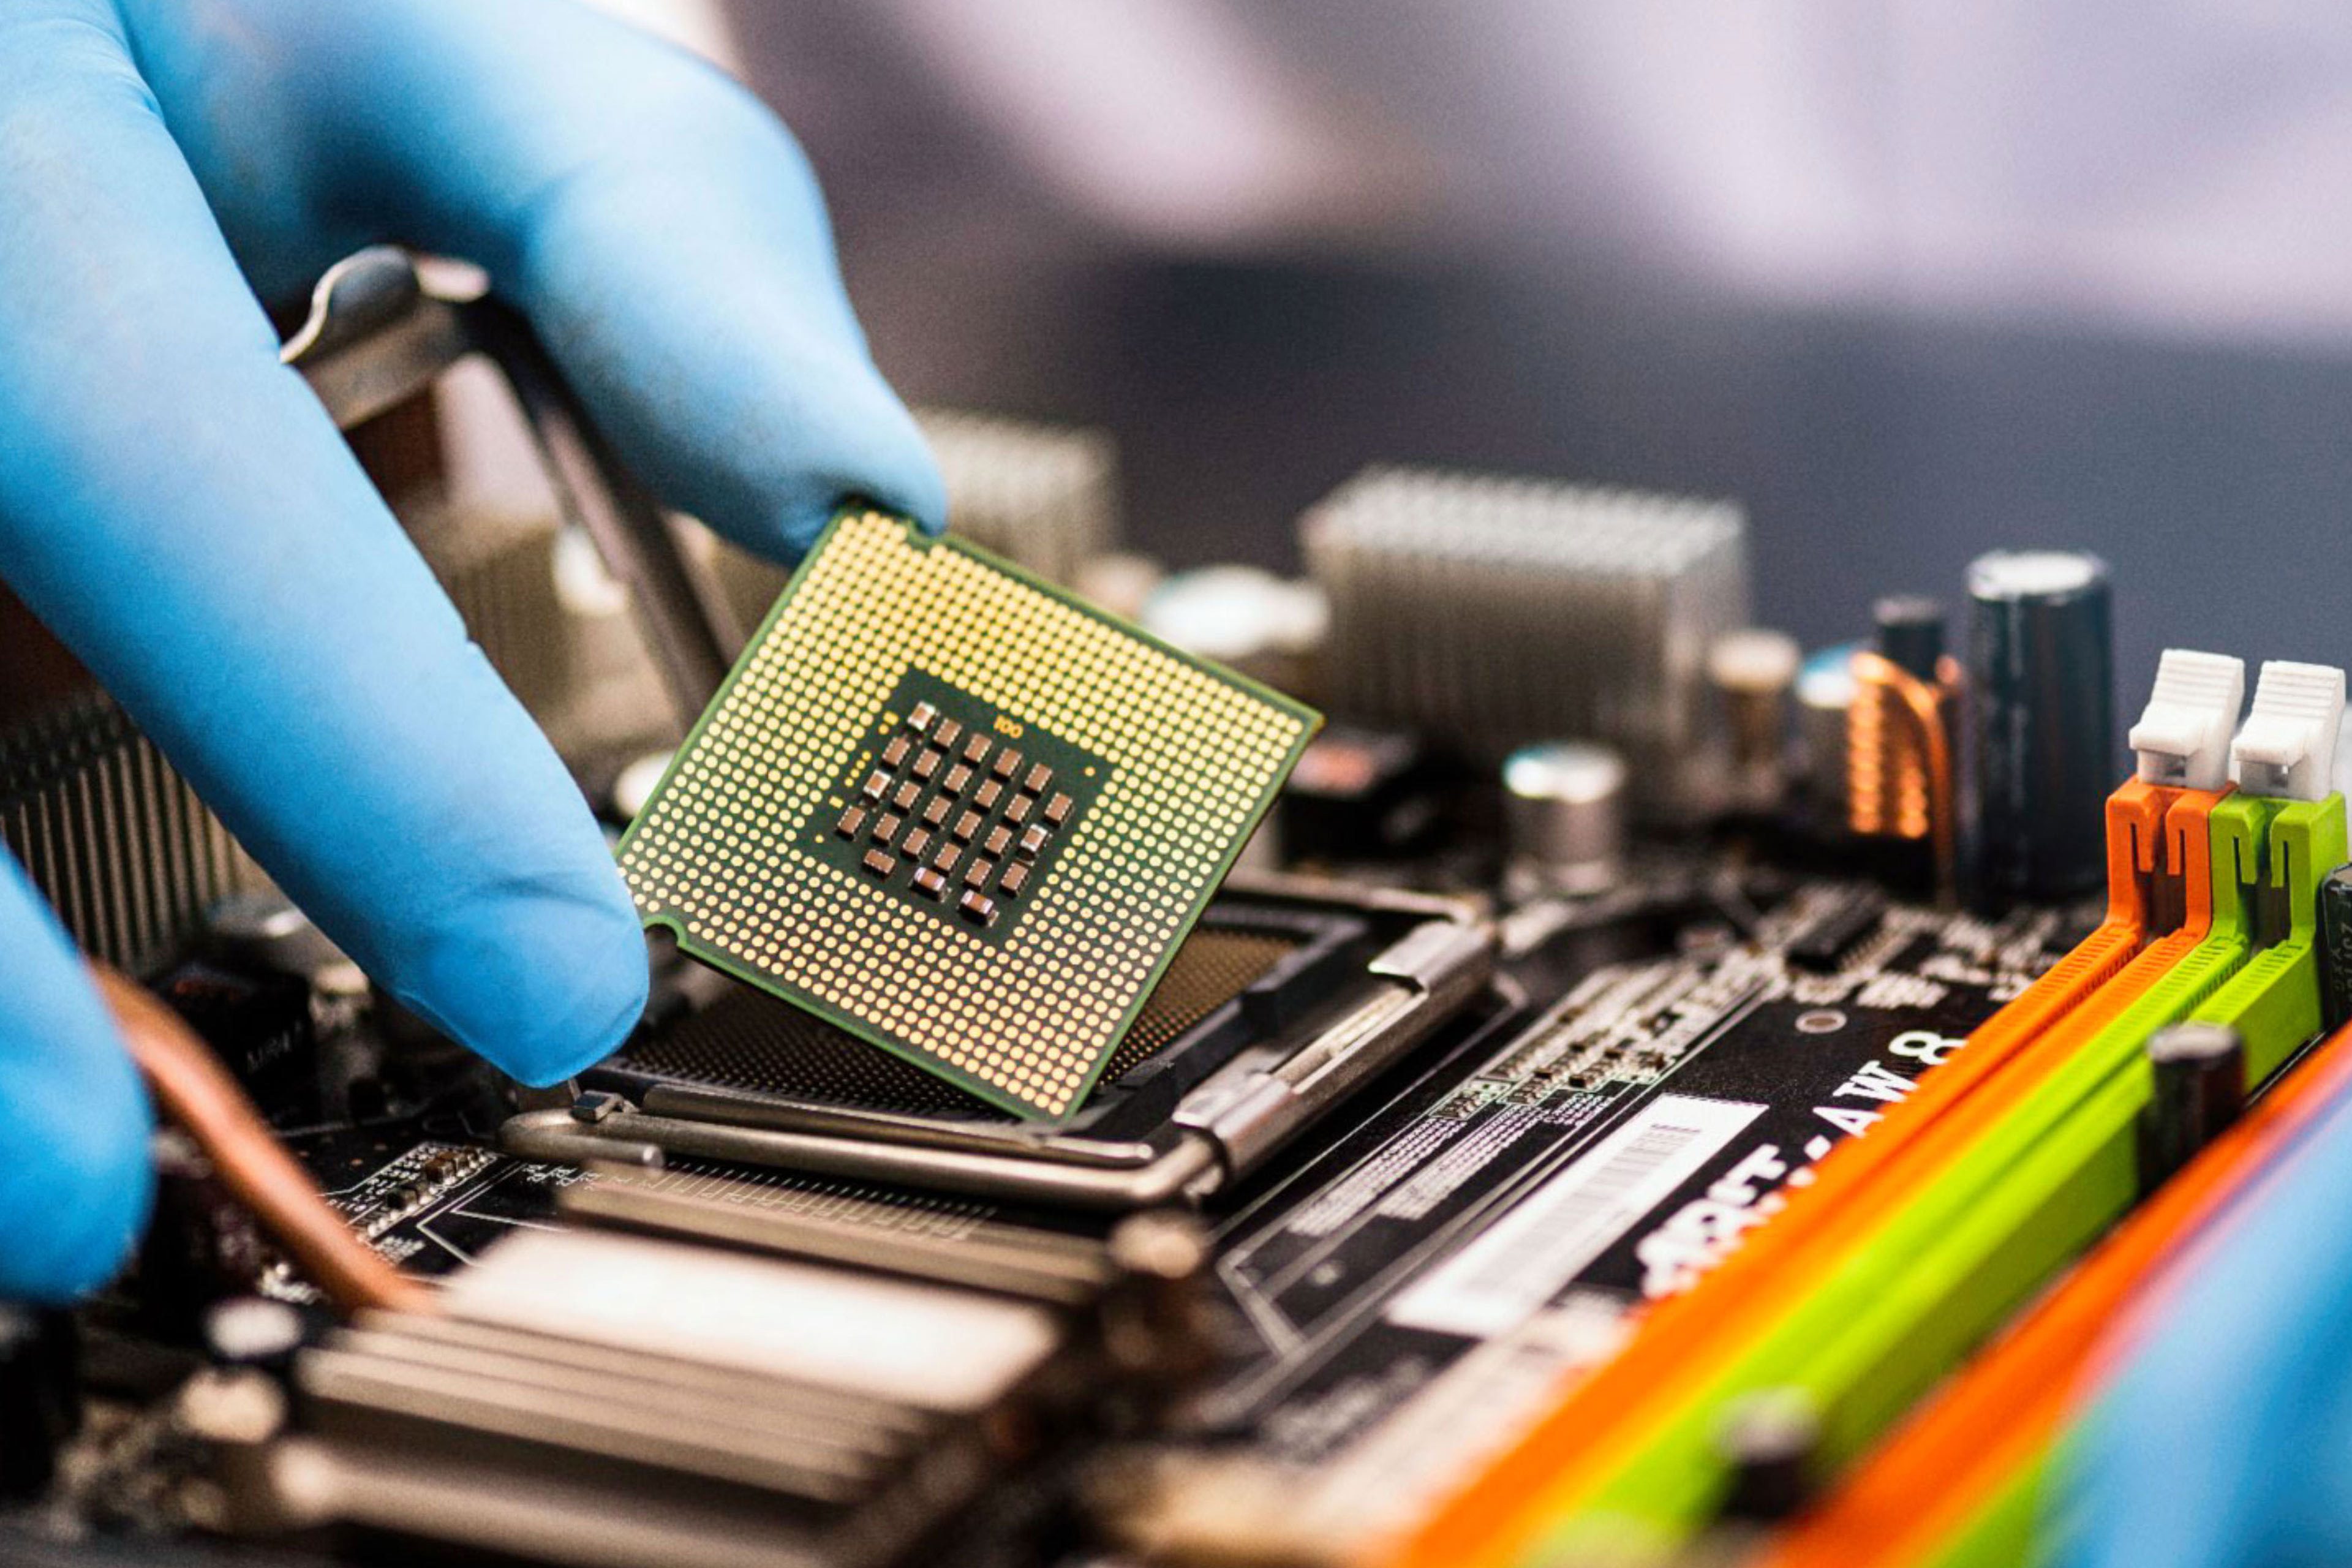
(2224, 1441)
(657, 225)
(179, 509)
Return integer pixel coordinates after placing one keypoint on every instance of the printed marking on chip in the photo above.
(1102, 784)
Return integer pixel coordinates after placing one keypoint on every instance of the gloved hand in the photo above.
(2227, 1439)
(179, 510)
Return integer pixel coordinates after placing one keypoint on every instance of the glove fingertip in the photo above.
(541, 982)
(855, 446)
(913, 483)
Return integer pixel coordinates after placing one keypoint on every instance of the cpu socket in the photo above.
(1287, 996)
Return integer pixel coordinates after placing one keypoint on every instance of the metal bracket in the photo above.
(378, 333)
(1225, 1128)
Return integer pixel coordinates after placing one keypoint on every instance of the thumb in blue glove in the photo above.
(179, 510)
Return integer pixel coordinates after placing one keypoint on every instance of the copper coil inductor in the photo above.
(1899, 756)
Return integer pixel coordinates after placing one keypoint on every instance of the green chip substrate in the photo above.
(956, 812)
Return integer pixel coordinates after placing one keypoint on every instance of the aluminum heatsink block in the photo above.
(111, 834)
(1042, 496)
(1490, 612)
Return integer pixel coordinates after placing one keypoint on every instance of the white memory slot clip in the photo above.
(2182, 738)
(2288, 746)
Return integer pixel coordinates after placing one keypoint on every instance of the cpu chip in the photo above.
(999, 920)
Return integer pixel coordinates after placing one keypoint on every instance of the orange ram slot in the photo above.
(2152, 832)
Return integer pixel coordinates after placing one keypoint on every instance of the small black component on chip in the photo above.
(1824, 945)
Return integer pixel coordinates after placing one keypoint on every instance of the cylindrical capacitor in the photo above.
(1265, 626)
(2199, 1088)
(1825, 689)
(2335, 947)
(253, 1331)
(1772, 1438)
(2041, 672)
(1910, 632)
(1565, 801)
(1751, 672)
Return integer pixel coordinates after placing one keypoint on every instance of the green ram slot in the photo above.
(2274, 1002)
(1942, 1269)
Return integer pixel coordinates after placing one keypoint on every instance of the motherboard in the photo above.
(1646, 1094)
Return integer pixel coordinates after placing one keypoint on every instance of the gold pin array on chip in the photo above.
(1080, 789)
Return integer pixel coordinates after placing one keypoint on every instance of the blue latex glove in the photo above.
(177, 508)
(2227, 1440)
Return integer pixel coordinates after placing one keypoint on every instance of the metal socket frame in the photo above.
(1439, 958)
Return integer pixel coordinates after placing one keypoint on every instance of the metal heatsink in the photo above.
(111, 834)
(1490, 612)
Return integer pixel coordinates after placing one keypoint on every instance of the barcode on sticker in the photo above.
(1523, 1259)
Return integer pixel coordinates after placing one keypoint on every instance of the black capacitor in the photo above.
(258, 1020)
(2335, 947)
(2198, 1090)
(1358, 793)
(2041, 673)
(1772, 1438)
(1910, 632)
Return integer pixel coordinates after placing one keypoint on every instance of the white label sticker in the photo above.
(1522, 1260)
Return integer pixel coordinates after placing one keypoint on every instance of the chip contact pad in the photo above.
(959, 806)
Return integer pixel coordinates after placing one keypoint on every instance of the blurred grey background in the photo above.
(1911, 280)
